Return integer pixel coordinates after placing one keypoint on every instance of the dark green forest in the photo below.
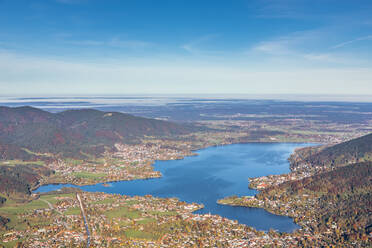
(74, 132)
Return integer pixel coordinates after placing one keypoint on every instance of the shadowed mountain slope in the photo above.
(73, 132)
(353, 151)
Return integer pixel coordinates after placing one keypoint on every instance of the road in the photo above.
(85, 219)
(51, 206)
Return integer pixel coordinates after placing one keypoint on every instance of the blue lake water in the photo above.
(215, 173)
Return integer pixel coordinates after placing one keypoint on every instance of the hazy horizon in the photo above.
(175, 47)
(169, 97)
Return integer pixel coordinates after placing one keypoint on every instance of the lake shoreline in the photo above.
(193, 151)
(236, 213)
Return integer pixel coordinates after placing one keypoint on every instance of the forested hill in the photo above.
(337, 197)
(74, 131)
(339, 200)
(353, 151)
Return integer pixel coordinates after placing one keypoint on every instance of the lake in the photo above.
(215, 173)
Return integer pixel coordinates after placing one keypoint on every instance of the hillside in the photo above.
(17, 180)
(74, 132)
(336, 201)
(8, 152)
(340, 200)
(353, 151)
(328, 193)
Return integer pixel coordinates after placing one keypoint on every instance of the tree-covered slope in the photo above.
(336, 201)
(353, 151)
(73, 132)
(19, 179)
(341, 199)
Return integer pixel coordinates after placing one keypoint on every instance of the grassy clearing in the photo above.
(168, 213)
(11, 244)
(73, 211)
(131, 202)
(73, 161)
(10, 209)
(20, 162)
(136, 234)
(40, 222)
(146, 221)
(123, 212)
(53, 198)
(105, 201)
(89, 175)
(36, 153)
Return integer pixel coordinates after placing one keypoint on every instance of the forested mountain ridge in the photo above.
(328, 193)
(337, 203)
(336, 200)
(32, 139)
(74, 132)
(18, 180)
(353, 151)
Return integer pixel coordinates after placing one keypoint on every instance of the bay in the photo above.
(215, 173)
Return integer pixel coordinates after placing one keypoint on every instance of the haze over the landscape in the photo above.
(185, 123)
(195, 47)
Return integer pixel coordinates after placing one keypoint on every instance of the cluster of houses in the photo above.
(117, 221)
(263, 182)
(129, 162)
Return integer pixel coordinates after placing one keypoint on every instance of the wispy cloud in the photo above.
(20, 74)
(307, 47)
(279, 47)
(330, 58)
(115, 42)
(286, 45)
(319, 57)
(131, 44)
(195, 46)
(86, 42)
(368, 37)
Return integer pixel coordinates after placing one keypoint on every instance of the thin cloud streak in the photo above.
(33, 74)
(343, 44)
(295, 47)
(287, 44)
(194, 46)
(132, 44)
(86, 42)
(115, 42)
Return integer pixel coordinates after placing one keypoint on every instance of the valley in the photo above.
(75, 152)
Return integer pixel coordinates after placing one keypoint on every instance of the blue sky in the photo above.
(185, 46)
